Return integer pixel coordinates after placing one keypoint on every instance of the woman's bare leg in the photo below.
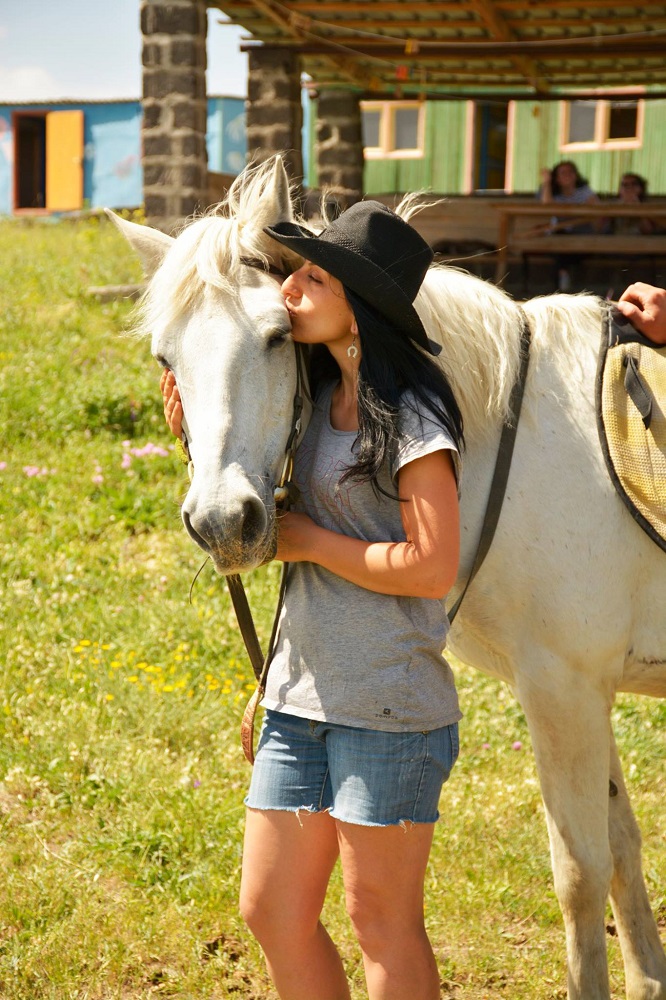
(287, 863)
(384, 872)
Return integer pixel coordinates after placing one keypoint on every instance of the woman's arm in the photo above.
(546, 189)
(425, 565)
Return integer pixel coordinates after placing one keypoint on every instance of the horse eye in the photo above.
(278, 338)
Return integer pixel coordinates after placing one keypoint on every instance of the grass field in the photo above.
(121, 775)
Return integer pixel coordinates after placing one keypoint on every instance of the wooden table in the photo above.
(609, 244)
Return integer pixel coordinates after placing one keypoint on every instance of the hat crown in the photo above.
(377, 234)
(375, 254)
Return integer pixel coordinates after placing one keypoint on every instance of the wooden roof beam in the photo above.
(500, 30)
(575, 47)
(298, 32)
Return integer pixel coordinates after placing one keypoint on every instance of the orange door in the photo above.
(64, 160)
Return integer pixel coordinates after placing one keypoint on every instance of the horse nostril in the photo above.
(192, 531)
(253, 521)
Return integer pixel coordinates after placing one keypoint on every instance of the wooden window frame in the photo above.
(601, 126)
(386, 150)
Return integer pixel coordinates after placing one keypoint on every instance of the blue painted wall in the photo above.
(225, 138)
(112, 173)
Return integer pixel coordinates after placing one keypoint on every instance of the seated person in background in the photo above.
(645, 308)
(633, 191)
(565, 186)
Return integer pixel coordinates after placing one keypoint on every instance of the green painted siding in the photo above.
(537, 132)
(536, 145)
(440, 169)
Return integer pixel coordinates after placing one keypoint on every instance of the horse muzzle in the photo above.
(237, 530)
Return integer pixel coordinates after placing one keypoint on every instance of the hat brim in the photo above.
(361, 275)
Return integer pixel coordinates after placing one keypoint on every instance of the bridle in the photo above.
(283, 495)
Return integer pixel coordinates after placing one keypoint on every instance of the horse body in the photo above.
(568, 607)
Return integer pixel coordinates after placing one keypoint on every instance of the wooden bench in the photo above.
(517, 239)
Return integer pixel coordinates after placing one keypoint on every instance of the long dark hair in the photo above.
(555, 184)
(394, 372)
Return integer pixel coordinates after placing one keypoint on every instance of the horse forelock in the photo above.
(210, 250)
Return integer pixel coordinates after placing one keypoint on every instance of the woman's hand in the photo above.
(645, 308)
(173, 408)
(295, 537)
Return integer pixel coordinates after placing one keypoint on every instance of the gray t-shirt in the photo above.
(346, 654)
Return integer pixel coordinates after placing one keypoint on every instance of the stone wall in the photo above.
(174, 109)
(340, 146)
(274, 112)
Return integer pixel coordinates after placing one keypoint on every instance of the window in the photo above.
(392, 129)
(609, 123)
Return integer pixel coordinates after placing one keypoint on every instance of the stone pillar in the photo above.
(274, 112)
(175, 163)
(340, 146)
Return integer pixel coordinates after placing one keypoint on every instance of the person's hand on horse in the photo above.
(645, 308)
(173, 408)
(295, 537)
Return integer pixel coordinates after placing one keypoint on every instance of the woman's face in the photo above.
(631, 188)
(566, 176)
(317, 306)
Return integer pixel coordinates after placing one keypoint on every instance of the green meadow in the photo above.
(123, 685)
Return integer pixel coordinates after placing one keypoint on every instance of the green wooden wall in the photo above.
(439, 169)
(536, 145)
(537, 130)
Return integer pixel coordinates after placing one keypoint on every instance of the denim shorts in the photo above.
(361, 776)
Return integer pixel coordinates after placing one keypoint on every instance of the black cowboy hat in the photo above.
(376, 254)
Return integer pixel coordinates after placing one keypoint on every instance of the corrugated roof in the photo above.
(464, 47)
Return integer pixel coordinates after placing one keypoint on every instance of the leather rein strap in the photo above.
(502, 464)
(282, 495)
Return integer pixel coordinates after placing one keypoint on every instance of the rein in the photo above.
(502, 464)
(282, 493)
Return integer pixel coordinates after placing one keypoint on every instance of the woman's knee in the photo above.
(272, 918)
(378, 917)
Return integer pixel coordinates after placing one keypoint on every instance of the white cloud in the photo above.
(28, 83)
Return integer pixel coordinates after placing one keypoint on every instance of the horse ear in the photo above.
(282, 193)
(150, 245)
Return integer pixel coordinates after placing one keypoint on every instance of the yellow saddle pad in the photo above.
(631, 407)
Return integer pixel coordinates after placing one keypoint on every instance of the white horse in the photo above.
(568, 607)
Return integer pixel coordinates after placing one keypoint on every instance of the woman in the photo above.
(564, 185)
(633, 191)
(360, 730)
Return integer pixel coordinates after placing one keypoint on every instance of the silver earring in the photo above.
(352, 350)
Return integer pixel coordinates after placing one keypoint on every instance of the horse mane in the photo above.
(210, 248)
(479, 326)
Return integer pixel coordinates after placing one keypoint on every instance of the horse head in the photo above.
(216, 318)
